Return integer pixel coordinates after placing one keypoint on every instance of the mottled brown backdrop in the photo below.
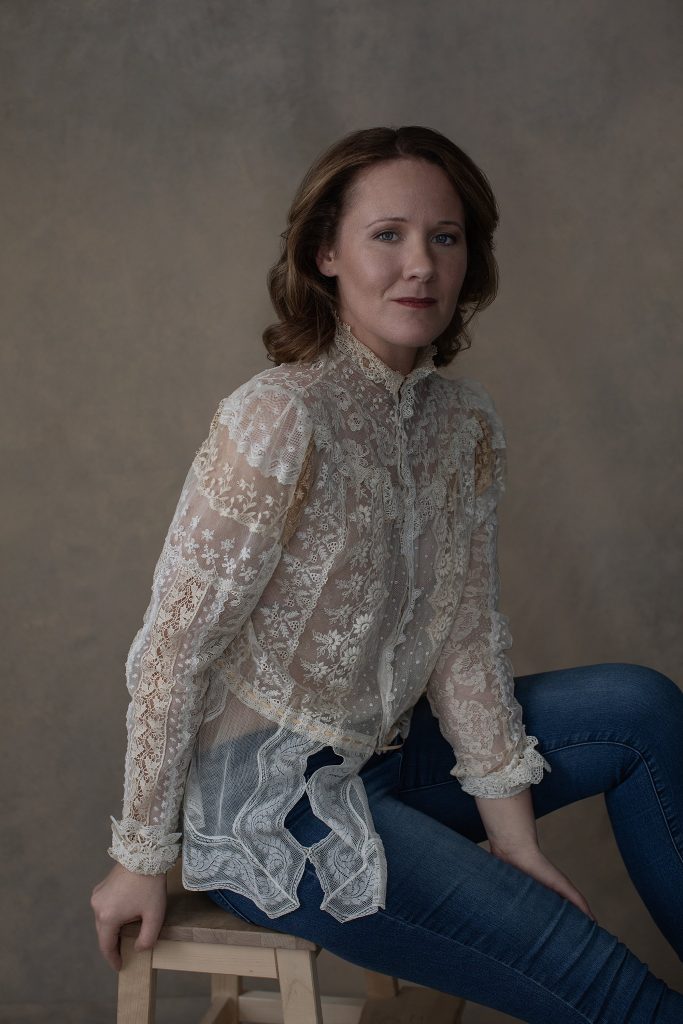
(149, 151)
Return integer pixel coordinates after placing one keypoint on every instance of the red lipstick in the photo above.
(416, 303)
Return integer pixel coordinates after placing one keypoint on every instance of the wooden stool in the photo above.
(197, 935)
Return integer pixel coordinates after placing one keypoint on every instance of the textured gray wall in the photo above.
(149, 152)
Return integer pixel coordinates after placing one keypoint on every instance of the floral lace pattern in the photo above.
(331, 558)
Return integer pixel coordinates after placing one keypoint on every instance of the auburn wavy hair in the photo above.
(305, 300)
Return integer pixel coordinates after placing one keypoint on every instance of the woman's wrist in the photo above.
(509, 822)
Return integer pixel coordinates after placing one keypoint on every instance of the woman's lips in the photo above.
(416, 303)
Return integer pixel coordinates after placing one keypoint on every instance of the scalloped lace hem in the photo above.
(526, 771)
(144, 849)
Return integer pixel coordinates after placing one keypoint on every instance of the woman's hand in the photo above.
(124, 896)
(531, 860)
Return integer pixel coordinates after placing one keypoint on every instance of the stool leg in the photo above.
(136, 986)
(225, 995)
(298, 976)
(380, 986)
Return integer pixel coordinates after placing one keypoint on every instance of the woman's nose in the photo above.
(419, 260)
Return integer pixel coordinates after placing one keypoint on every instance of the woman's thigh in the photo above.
(613, 728)
(458, 919)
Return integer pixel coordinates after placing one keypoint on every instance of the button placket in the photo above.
(388, 697)
(400, 389)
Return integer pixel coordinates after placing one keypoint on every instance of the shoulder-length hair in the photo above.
(305, 300)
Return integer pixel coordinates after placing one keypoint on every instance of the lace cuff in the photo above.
(525, 770)
(144, 849)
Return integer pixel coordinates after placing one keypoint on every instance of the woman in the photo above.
(321, 677)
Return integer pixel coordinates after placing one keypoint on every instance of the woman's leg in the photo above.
(462, 921)
(613, 728)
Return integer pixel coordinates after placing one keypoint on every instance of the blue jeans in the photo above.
(460, 920)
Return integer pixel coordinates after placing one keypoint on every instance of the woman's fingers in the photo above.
(531, 860)
(123, 897)
(108, 939)
(571, 893)
(587, 910)
(149, 929)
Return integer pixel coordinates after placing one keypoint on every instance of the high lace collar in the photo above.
(375, 368)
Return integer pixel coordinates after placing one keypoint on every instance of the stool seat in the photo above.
(194, 917)
(199, 936)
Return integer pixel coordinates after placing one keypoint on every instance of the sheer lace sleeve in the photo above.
(221, 549)
(471, 690)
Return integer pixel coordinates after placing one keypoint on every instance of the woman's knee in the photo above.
(644, 694)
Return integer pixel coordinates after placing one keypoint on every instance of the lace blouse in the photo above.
(331, 558)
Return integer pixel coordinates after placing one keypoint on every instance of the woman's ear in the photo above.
(325, 262)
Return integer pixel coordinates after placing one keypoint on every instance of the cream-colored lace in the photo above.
(331, 558)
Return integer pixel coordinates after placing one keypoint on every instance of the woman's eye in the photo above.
(453, 238)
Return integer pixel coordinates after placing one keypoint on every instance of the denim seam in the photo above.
(463, 945)
(617, 743)
(430, 785)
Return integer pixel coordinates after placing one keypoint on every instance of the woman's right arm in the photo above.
(123, 896)
(221, 548)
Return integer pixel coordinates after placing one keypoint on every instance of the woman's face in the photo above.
(402, 235)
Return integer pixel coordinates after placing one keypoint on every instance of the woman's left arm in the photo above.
(509, 822)
(471, 688)
(511, 831)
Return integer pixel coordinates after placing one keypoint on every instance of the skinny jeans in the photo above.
(460, 920)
